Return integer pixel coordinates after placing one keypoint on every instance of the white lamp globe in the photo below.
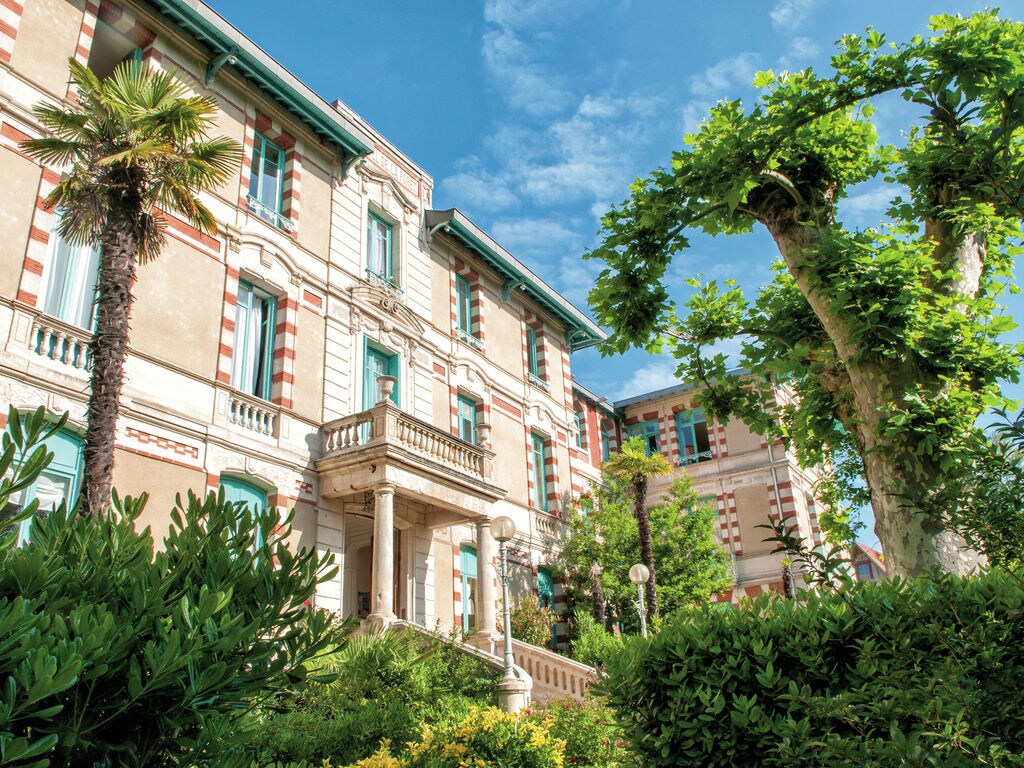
(639, 574)
(502, 528)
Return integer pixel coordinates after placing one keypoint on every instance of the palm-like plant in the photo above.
(633, 465)
(134, 144)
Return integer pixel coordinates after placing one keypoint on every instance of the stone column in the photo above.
(487, 621)
(382, 607)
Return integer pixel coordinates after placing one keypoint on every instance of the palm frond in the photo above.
(139, 153)
(67, 124)
(150, 236)
(55, 151)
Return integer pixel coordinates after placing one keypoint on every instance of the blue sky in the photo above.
(533, 116)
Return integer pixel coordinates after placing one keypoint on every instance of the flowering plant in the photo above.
(591, 736)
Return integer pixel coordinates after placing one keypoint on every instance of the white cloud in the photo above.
(477, 190)
(790, 13)
(716, 81)
(801, 51)
(867, 208)
(648, 378)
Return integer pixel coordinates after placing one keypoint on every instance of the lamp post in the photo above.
(503, 529)
(639, 574)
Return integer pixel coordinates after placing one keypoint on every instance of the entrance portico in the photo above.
(396, 479)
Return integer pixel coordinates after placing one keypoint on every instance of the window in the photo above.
(379, 249)
(864, 572)
(377, 362)
(540, 478)
(70, 282)
(605, 445)
(546, 598)
(651, 434)
(244, 494)
(694, 443)
(109, 48)
(533, 359)
(467, 419)
(467, 569)
(255, 326)
(468, 329)
(266, 180)
(581, 429)
(60, 481)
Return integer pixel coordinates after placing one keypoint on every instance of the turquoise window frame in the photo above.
(686, 432)
(467, 418)
(464, 301)
(252, 369)
(67, 464)
(538, 450)
(375, 225)
(262, 150)
(581, 435)
(372, 352)
(243, 492)
(546, 599)
(468, 573)
(606, 448)
(532, 353)
(649, 430)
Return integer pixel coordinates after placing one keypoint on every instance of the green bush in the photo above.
(926, 672)
(114, 654)
(588, 728)
(487, 738)
(531, 623)
(594, 645)
(386, 686)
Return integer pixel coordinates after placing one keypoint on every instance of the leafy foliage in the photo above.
(593, 644)
(692, 566)
(385, 686)
(924, 672)
(114, 653)
(531, 622)
(887, 340)
(588, 728)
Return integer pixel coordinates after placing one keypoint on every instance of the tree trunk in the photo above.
(107, 350)
(912, 541)
(643, 522)
(597, 600)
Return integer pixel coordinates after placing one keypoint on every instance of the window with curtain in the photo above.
(69, 292)
(266, 180)
(379, 248)
(538, 450)
(467, 419)
(255, 328)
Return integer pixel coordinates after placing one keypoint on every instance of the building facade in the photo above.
(748, 478)
(340, 348)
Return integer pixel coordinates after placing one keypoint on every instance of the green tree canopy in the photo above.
(692, 566)
(888, 338)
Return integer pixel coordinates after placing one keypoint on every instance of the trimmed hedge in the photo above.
(925, 672)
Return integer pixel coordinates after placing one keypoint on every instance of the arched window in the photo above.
(241, 492)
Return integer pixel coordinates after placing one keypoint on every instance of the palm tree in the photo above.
(134, 143)
(633, 465)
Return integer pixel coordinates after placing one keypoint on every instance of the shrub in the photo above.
(594, 645)
(588, 728)
(114, 654)
(487, 737)
(926, 672)
(531, 623)
(386, 685)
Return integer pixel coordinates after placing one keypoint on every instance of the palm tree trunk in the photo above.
(643, 522)
(597, 599)
(108, 349)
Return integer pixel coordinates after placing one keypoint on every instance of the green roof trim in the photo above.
(255, 65)
(580, 330)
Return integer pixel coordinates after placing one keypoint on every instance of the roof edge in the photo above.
(581, 330)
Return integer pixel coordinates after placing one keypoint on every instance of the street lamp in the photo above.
(639, 574)
(503, 529)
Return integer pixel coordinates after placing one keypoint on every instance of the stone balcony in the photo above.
(384, 445)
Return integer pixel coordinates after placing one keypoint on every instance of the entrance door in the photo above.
(467, 567)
